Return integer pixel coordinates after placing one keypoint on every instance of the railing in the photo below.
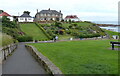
(7, 50)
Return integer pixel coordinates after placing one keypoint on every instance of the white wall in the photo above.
(25, 19)
(75, 19)
(10, 17)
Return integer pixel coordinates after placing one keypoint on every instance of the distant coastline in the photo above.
(106, 22)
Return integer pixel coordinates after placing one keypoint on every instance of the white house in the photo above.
(115, 37)
(25, 17)
(6, 14)
(72, 18)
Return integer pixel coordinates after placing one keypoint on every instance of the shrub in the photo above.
(25, 38)
(88, 35)
(10, 31)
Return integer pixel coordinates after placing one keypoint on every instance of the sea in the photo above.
(112, 28)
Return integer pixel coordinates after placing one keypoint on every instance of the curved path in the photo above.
(22, 62)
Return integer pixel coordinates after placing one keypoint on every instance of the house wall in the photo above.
(10, 17)
(74, 19)
(25, 19)
(42, 17)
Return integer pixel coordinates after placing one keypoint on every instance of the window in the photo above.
(29, 18)
(53, 14)
(21, 18)
(41, 14)
(44, 14)
(48, 14)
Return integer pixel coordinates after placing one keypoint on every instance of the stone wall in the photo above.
(44, 61)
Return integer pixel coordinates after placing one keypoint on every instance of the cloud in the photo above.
(82, 8)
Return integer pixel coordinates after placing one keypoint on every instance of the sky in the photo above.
(86, 10)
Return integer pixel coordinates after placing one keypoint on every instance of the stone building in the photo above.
(48, 15)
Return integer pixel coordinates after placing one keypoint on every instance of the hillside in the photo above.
(66, 30)
(5, 39)
(31, 29)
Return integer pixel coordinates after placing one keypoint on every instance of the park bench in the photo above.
(114, 44)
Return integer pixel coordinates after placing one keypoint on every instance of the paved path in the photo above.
(22, 62)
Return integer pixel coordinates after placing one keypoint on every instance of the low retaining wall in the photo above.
(7, 50)
(45, 62)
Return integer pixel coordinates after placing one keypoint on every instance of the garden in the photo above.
(72, 29)
(81, 57)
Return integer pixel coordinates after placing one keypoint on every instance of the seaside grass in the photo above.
(111, 32)
(81, 57)
(32, 30)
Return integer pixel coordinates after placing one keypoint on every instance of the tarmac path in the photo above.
(22, 62)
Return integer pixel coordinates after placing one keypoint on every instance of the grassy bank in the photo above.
(81, 57)
(5, 39)
(31, 29)
(111, 33)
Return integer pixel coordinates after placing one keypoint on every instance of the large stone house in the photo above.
(25, 17)
(48, 15)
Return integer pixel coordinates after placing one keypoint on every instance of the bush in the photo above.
(25, 38)
(11, 31)
(88, 35)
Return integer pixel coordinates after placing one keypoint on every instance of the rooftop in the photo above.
(25, 15)
(71, 16)
(4, 14)
(50, 12)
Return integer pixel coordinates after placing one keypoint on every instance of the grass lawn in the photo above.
(81, 57)
(32, 30)
(111, 33)
(64, 37)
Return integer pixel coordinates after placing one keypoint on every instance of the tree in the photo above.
(7, 23)
(26, 12)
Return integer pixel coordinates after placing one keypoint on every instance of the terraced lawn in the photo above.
(32, 30)
(81, 57)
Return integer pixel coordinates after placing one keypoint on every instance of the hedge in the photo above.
(43, 31)
(24, 38)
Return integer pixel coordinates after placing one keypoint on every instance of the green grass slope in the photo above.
(5, 39)
(32, 30)
(81, 57)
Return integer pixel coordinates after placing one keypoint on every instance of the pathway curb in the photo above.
(44, 61)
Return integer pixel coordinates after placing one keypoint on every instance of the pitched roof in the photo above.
(71, 16)
(4, 14)
(50, 12)
(25, 15)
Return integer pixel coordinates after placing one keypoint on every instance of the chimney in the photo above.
(49, 9)
(60, 11)
(37, 10)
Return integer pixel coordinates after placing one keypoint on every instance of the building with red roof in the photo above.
(72, 18)
(2, 13)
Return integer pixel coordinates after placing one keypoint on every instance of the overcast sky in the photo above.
(92, 10)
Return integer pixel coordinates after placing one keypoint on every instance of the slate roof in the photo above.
(50, 12)
(25, 15)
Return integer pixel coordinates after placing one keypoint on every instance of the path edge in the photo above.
(44, 61)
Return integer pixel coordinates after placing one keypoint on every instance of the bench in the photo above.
(114, 43)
